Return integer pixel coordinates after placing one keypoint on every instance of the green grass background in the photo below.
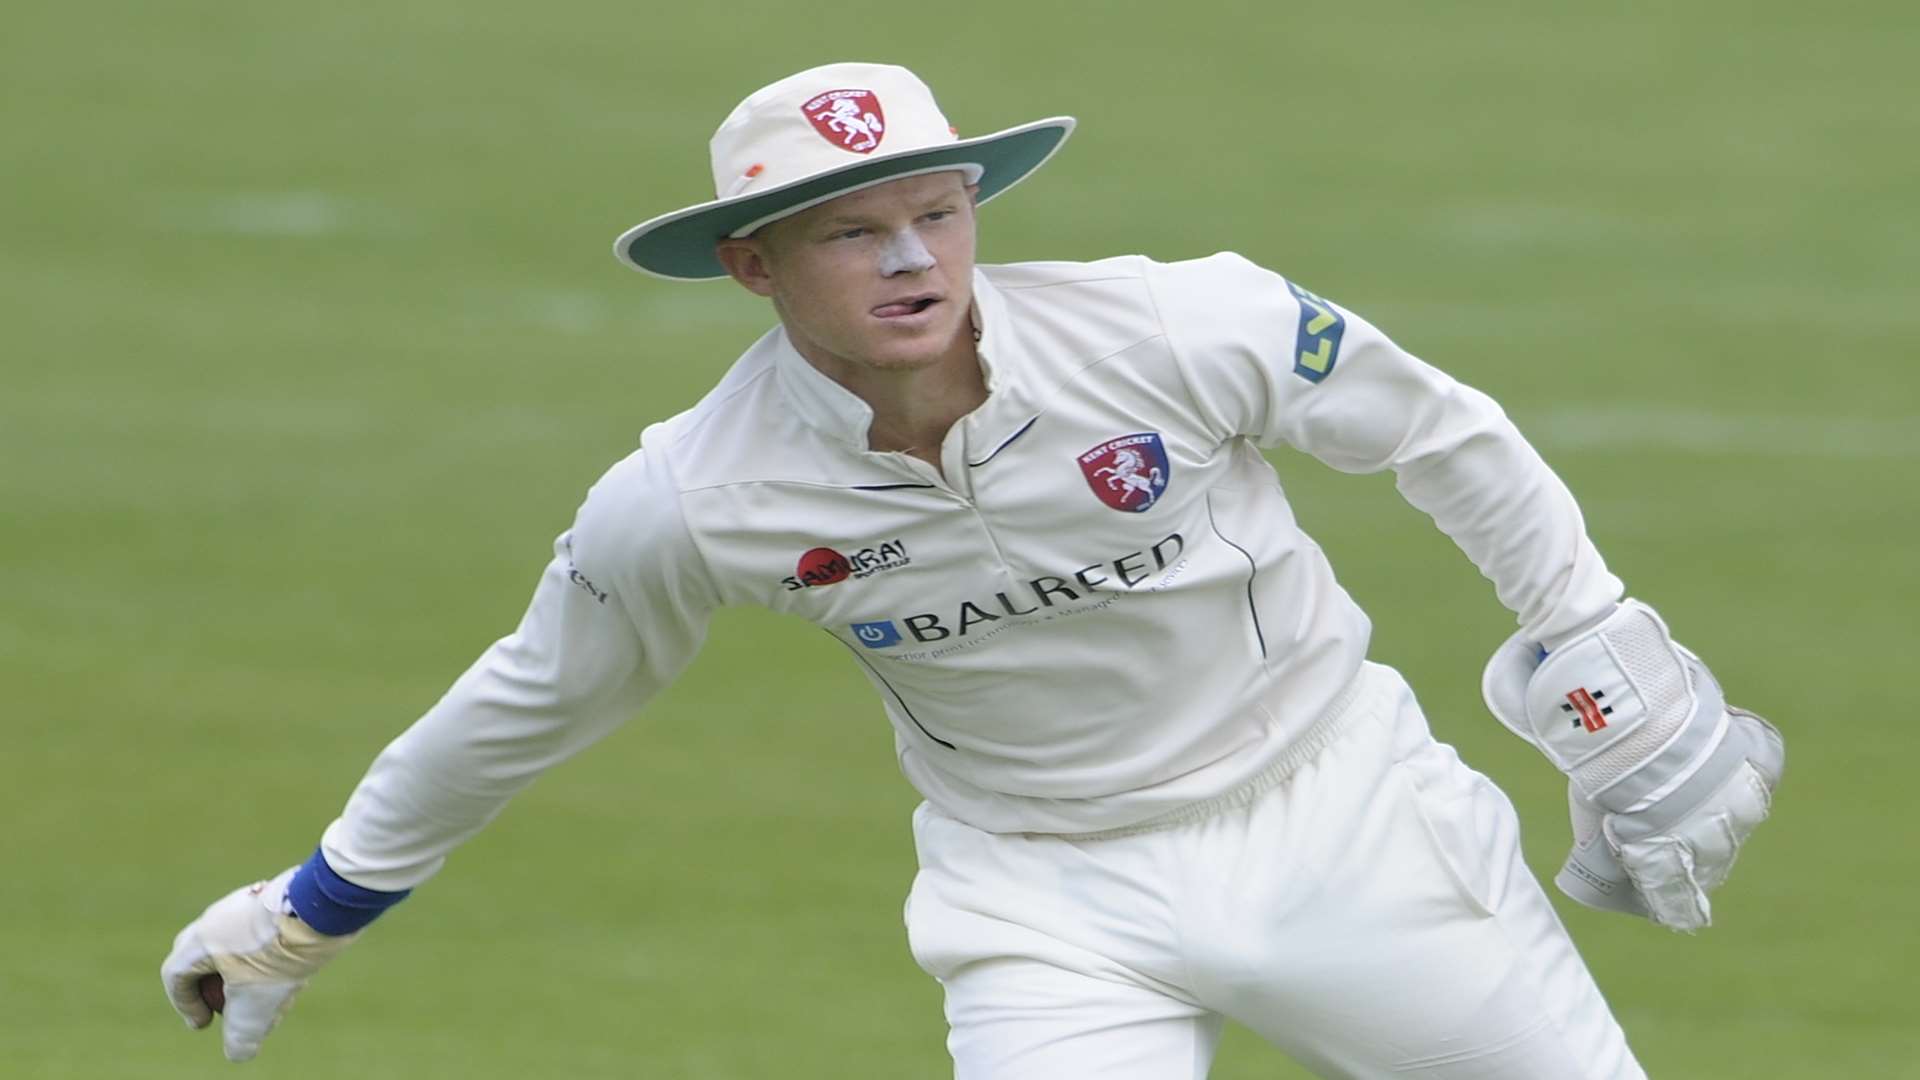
(310, 341)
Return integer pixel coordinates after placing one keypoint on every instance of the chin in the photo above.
(904, 359)
(907, 352)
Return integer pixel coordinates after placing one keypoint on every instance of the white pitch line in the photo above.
(569, 312)
(274, 213)
(1699, 431)
(701, 306)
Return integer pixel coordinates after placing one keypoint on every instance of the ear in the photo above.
(746, 262)
(973, 194)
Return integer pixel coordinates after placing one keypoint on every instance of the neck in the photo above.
(913, 408)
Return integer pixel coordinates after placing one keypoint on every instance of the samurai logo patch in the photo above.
(849, 119)
(1316, 344)
(823, 566)
(1128, 473)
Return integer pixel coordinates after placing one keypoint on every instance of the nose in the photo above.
(904, 254)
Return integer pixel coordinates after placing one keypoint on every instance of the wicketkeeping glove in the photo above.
(1666, 780)
(251, 939)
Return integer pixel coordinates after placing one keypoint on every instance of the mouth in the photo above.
(906, 306)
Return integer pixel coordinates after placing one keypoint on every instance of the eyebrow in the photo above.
(943, 202)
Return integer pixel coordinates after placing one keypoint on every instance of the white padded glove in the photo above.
(263, 952)
(1666, 780)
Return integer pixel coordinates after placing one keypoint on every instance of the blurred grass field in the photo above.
(310, 341)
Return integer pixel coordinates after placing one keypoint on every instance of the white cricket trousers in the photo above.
(1369, 914)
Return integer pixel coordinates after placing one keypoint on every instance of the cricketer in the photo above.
(1163, 785)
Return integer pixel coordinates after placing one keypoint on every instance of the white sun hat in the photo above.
(818, 135)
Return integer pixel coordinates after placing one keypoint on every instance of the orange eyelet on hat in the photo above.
(745, 178)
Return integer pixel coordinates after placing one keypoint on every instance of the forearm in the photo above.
(619, 612)
(1486, 487)
(1457, 458)
(455, 770)
(570, 674)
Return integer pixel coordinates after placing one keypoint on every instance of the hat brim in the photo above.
(680, 245)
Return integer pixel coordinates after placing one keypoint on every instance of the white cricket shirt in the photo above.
(1103, 612)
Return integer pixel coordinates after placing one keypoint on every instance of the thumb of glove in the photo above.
(1592, 874)
(252, 1011)
(1766, 750)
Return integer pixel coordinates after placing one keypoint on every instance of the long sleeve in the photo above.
(1272, 362)
(620, 610)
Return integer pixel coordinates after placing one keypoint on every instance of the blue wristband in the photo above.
(330, 903)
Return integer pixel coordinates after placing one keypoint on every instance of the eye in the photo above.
(937, 215)
(848, 234)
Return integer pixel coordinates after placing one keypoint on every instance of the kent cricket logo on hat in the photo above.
(850, 119)
(815, 136)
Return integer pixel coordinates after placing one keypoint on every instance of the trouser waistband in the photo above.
(1333, 720)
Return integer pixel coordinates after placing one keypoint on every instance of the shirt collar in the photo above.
(825, 405)
(993, 338)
